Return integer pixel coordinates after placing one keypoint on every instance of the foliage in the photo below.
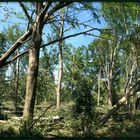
(113, 51)
(8, 132)
(27, 131)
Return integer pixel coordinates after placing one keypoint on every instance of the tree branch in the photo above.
(16, 45)
(19, 42)
(69, 36)
(51, 42)
(26, 12)
(57, 7)
(16, 57)
(35, 121)
(43, 12)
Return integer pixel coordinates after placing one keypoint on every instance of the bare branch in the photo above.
(16, 57)
(43, 12)
(66, 37)
(35, 121)
(54, 9)
(26, 12)
(31, 18)
(52, 42)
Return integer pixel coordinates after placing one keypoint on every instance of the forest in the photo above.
(69, 69)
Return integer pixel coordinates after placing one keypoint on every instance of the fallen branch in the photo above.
(35, 121)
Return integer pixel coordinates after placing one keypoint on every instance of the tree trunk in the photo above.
(110, 89)
(135, 62)
(60, 71)
(109, 93)
(33, 63)
(110, 74)
(121, 102)
(133, 106)
(127, 86)
(31, 83)
(98, 96)
(58, 92)
(16, 82)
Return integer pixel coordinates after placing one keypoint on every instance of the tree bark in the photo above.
(110, 74)
(135, 62)
(33, 65)
(58, 90)
(98, 95)
(16, 82)
(31, 83)
(110, 91)
(60, 71)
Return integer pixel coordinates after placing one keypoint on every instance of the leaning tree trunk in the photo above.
(121, 102)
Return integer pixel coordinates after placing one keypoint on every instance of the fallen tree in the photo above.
(133, 90)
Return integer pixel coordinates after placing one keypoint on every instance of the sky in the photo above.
(85, 40)
(75, 41)
(8, 21)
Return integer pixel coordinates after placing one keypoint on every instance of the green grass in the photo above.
(66, 128)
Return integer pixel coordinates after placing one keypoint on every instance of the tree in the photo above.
(124, 27)
(106, 49)
(134, 89)
(12, 34)
(34, 62)
(3, 75)
(60, 57)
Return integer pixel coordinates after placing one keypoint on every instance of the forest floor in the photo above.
(125, 129)
(50, 128)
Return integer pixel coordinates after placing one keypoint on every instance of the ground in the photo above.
(49, 127)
